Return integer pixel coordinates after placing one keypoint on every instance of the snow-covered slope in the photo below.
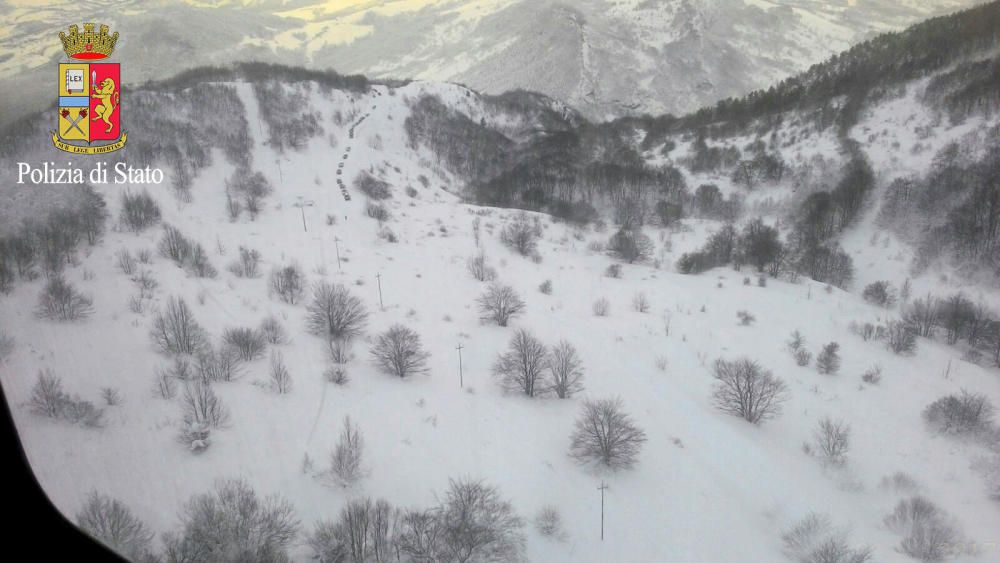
(707, 486)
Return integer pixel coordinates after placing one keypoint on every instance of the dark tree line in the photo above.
(47, 245)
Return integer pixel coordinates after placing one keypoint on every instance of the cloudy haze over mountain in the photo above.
(605, 57)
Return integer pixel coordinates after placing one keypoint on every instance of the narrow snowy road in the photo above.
(347, 151)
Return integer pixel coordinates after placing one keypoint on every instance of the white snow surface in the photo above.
(707, 487)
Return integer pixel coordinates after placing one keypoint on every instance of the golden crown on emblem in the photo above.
(88, 45)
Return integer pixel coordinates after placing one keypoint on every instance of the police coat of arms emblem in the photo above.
(90, 104)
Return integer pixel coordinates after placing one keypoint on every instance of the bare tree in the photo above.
(521, 369)
(833, 440)
(606, 435)
(420, 536)
(335, 313)
(174, 245)
(175, 330)
(346, 459)
(139, 211)
(288, 282)
(232, 524)
(362, 533)
(60, 301)
(499, 304)
(746, 390)
(248, 263)
(397, 351)
(113, 524)
(565, 370)
(477, 524)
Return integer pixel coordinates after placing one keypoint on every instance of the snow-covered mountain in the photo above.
(605, 57)
(402, 193)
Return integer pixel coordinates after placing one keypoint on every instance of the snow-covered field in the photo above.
(707, 486)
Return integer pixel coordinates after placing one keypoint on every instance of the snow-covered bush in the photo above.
(346, 459)
(499, 304)
(248, 342)
(221, 365)
(549, 523)
(828, 360)
(521, 235)
(60, 301)
(900, 337)
(112, 523)
(745, 389)
(546, 287)
(873, 375)
(247, 265)
(605, 434)
(273, 331)
(372, 186)
(232, 524)
(522, 368)
(281, 379)
(174, 245)
(111, 396)
(6, 345)
(963, 414)
(200, 405)
(479, 269)
(336, 375)
(398, 352)
(125, 261)
(199, 264)
(746, 318)
(613, 271)
(175, 330)
(631, 245)
(601, 307)
(139, 211)
(377, 211)
(880, 293)
(927, 531)
(565, 370)
(48, 399)
(640, 303)
(335, 313)
(288, 283)
(832, 439)
(814, 540)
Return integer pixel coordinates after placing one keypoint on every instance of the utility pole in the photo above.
(302, 204)
(461, 377)
(602, 488)
(336, 243)
(381, 305)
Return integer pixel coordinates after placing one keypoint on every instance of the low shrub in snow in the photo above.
(963, 414)
(60, 301)
(814, 540)
(928, 532)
